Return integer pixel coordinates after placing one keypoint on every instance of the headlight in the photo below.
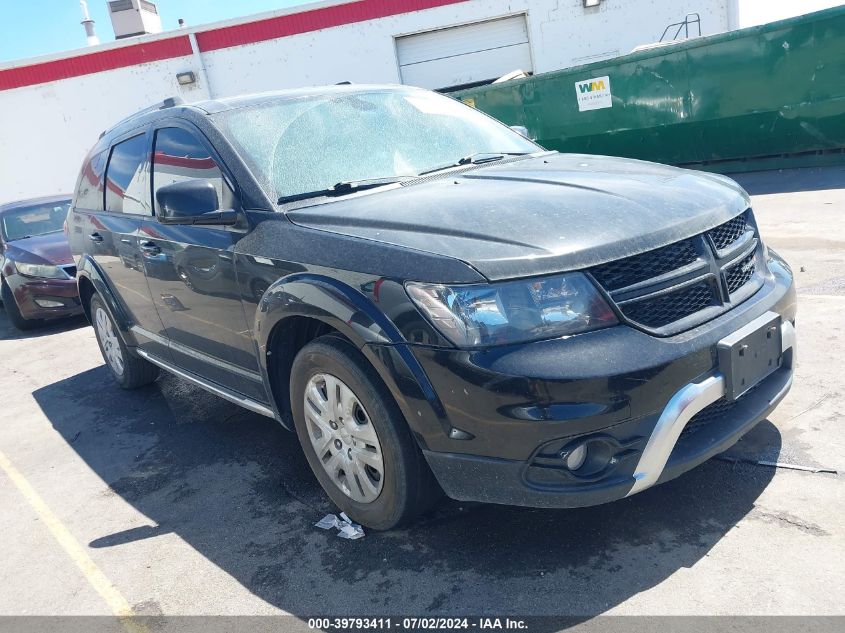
(45, 271)
(773, 256)
(514, 311)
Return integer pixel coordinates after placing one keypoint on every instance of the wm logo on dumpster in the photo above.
(593, 94)
(589, 86)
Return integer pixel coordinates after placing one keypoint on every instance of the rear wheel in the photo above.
(14, 313)
(128, 370)
(355, 437)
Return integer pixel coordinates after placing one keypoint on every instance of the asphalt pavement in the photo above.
(169, 500)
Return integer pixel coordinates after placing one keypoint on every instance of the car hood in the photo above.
(52, 248)
(539, 215)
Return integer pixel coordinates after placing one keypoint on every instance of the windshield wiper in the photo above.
(343, 188)
(478, 158)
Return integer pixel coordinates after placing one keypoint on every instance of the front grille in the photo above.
(673, 306)
(718, 410)
(726, 234)
(633, 270)
(660, 288)
(740, 273)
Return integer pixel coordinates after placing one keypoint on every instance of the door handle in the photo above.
(95, 237)
(149, 248)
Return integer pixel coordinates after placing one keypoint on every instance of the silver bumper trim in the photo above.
(688, 401)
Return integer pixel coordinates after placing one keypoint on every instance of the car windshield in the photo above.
(38, 219)
(299, 145)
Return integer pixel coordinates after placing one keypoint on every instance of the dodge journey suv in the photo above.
(431, 300)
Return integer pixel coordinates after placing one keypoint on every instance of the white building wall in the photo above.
(46, 129)
(563, 33)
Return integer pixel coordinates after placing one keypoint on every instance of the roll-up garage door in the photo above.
(467, 54)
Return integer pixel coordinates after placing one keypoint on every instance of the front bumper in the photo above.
(515, 412)
(45, 298)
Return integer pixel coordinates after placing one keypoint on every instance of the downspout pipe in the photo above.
(732, 7)
(203, 75)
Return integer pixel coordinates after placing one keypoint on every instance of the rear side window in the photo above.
(89, 194)
(124, 177)
(179, 155)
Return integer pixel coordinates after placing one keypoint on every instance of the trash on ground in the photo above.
(351, 531)
(810, 469)
(346, 528)
(328, 522)
(763, 462)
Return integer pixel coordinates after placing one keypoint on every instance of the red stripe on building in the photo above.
(213, 39)
(314, 20)
(90, 63)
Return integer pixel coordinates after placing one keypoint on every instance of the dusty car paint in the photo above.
(482, 417)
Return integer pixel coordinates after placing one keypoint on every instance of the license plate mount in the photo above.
(750, 354)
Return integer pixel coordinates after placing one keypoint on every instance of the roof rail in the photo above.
(170, 102)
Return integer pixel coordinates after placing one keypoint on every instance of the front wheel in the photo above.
(128, 370)
(14, 313)
(356, 438)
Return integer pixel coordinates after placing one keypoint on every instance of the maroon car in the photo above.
(37, 269)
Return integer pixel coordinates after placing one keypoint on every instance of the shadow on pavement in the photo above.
(9, 332)
(236, 487)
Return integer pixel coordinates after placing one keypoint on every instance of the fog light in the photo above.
(576, 458)
(48, 303)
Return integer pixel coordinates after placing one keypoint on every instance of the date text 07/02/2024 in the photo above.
(411, 623)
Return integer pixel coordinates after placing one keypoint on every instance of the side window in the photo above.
(124, 177)
(89, 194)
(179, 155)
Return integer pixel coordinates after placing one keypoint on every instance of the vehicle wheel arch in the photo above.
(284, 327)
(5, 284)
(86, 291)
(328, 300)
(90, 280)
(287, 337)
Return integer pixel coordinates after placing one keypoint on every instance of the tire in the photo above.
(14, 313)
(405, 486)
(131, 371)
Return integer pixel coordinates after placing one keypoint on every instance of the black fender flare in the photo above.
(328, 300)
(87, 268)
(352, 314)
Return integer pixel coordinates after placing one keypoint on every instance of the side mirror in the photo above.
(192, 201)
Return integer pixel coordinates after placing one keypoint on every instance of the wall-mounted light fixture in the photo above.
(186, 79)
(591, 3)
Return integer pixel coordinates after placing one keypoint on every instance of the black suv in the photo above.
(430, 299)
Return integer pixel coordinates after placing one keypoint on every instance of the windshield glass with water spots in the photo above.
(298, 145)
